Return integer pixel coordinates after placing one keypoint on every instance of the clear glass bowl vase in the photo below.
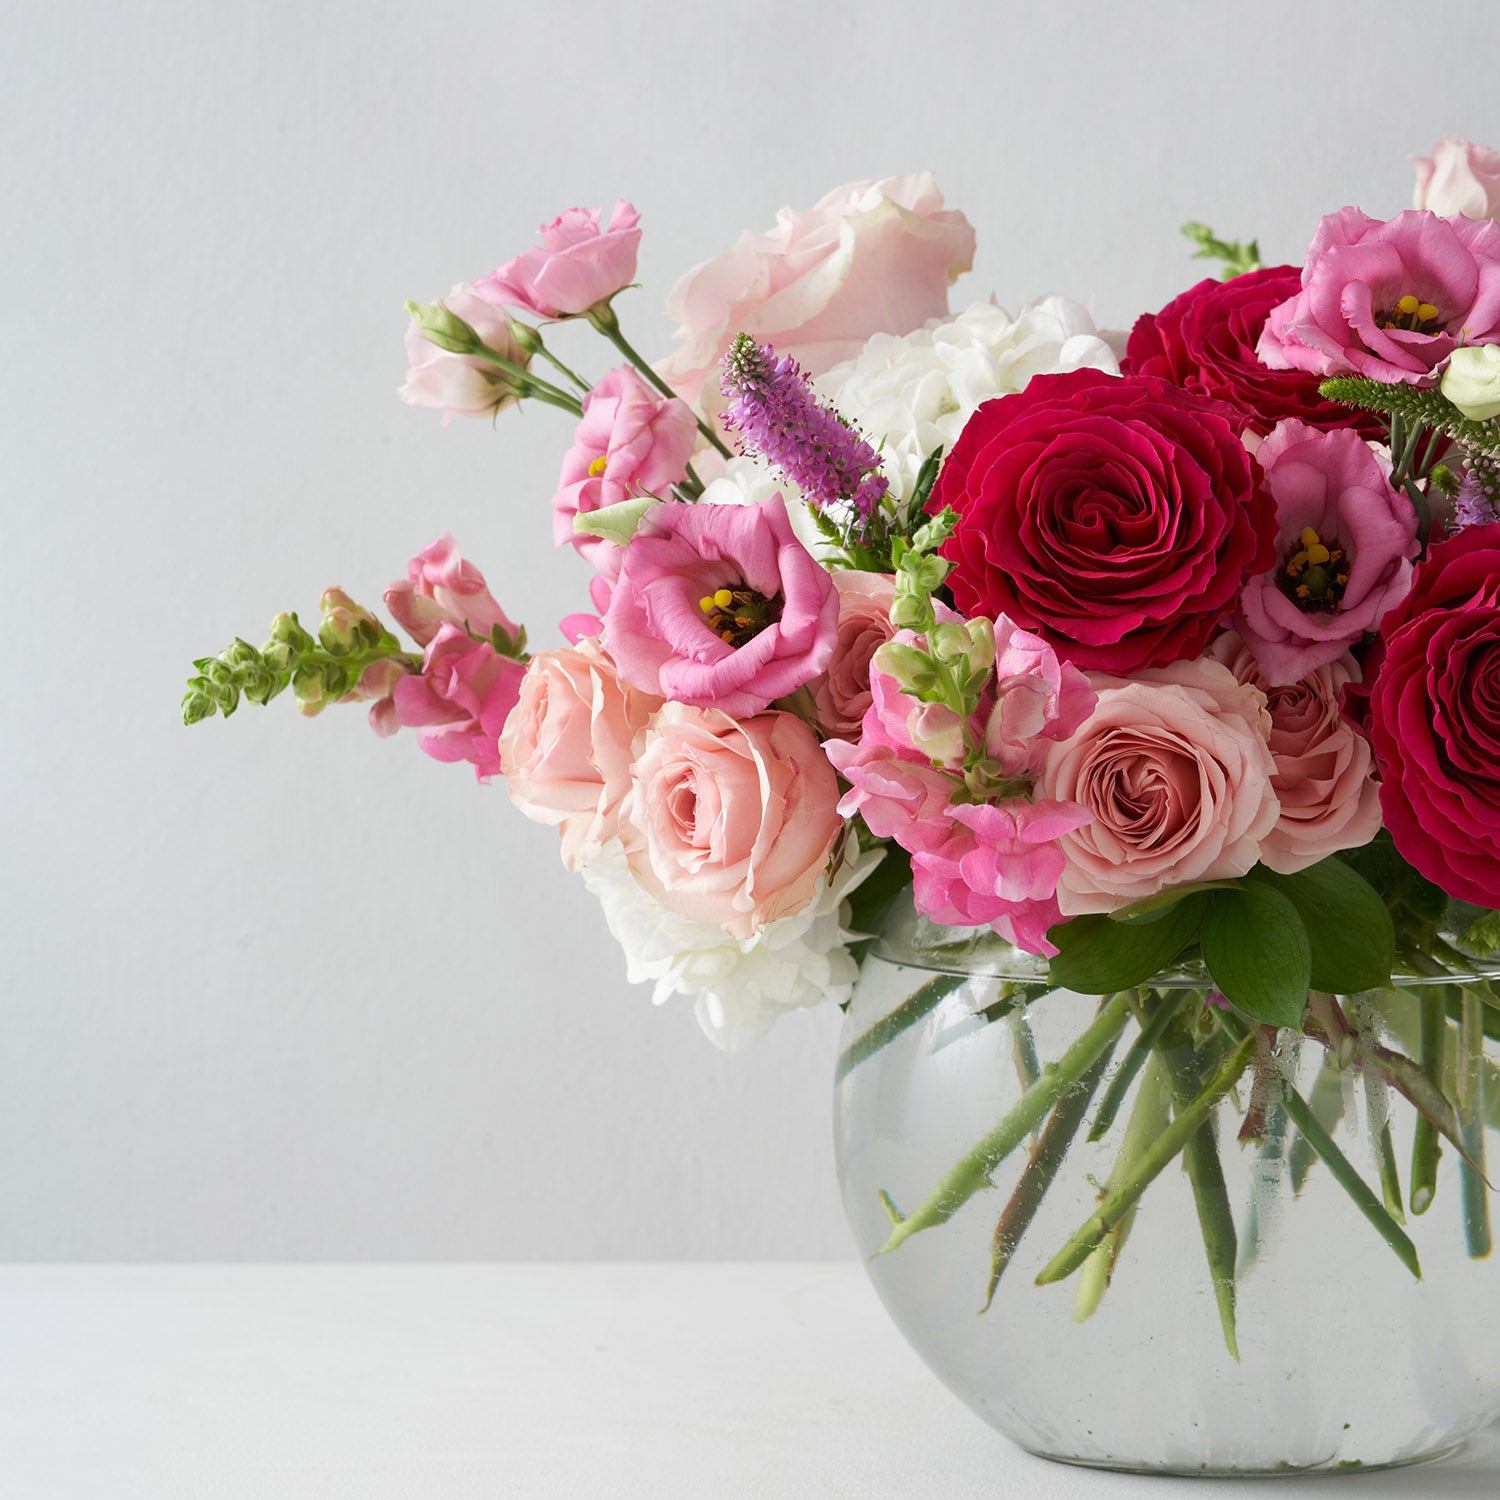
(1344, 1358)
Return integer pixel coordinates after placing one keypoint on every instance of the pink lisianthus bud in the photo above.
(442, 589)
(1458, 178)
(579, 263)
(461, 382)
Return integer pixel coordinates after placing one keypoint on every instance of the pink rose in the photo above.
(1175, 767)
(567, 745)
(1034, 698)
(1325, 772)
(629, 439)
(578, 264)
(872, 257)
(462, 383)
(462, 698)
(1345, 544)
(1459, 178)
(720, 605)
(998, 866)
(1390, 301)
(730, 821)
(842, 693)
(439, 589)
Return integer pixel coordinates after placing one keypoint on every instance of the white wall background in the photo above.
(273, 988)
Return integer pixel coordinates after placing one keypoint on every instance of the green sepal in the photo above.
(1258, 954)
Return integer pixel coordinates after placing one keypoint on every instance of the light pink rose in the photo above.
(730, 821)
(567, 746)
(461, 699)
(462, 383)
(1035, 700)
(578, 264)
(842, 693)
(1459, 178)
(629, 440)
(439, 589)
(872, 257)
(1345, 545)
(997, 865)
(775, 632)
(1325, 769)
(1175, 766)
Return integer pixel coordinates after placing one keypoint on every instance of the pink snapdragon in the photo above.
(1035, 699)
(439, 589)
(580, 263)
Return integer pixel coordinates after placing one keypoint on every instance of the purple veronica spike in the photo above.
(773, 409)
(1478, 500)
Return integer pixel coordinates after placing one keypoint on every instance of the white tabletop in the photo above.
(659, 1381)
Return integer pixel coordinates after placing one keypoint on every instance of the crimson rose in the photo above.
(1433, 689)
(1205, 341)
(1115, 517)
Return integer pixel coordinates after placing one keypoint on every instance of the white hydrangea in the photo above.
(912, 394)
(744, 480)
(741, 986)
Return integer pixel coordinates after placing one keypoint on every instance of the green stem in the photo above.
(919, 1003)
(1476, 1198)
(1023, 1048)
(1265, 1184)
(563, 370)
(971, 1173)
(530, 384)
(1426, 1147)
(1327, 1103)
(1378, 1107)
(1140, 1049)
(1118, 1202)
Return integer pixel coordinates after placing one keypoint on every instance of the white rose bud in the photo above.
(1472, 381)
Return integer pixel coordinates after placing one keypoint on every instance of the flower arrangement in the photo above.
(1178, 647)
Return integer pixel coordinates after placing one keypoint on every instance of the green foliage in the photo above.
(1097, 955)
(1424, 408)
(1407, 894)
(1257, 952)
(1238, 258)
(1348, 926)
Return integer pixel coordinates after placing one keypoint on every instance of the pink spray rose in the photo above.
(462, 383)
(1459, 178)
(566, 748)
(579, 263)
(1325, 772)
(1391, 300)
(721, 605)
(842, 693)
(1345, 544)
(461, 699)
(730, 821)
(439, 589)
(1175, 766)
(872, 257)
(629, 439)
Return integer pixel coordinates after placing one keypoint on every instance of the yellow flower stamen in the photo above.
(1408, 305)
(599, 465)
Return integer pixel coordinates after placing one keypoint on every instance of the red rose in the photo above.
(1116, 518)
(1205, 341)
(1432, 690)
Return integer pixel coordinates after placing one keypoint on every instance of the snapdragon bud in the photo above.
(912, 669)
(287, 630)
(1472, 381)
(524, 336)
(445, 329)
(346, 625)
(971, 642)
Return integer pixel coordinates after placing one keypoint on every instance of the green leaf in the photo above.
(1258, 953)
(1097, 956)
(1154, 908)
(1349, 927)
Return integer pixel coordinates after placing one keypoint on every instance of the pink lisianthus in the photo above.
(439, 589)
(842, 694)
(1345, 545)
(872, 257)
(629, 440)
(721, 605)
(997, 865)
(462, 383)
(566, 747)
(1459, 178)
(460, 699)
(1325, 771)
(579, 263)
(729, 821)
(1391, 300)
(1175, 767)
(1035, 699)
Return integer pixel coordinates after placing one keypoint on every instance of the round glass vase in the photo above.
(1269, 1325)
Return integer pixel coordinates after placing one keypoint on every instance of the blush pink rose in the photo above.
(629, 440)
(1459, 178)
(439, 589)
(579, 263)
(567, 746)
(842, 693)
(872, 257)
(462, 383)
(730, 821)
(998, 866)
(1175, 768)
(1391, 300)
(1345, 544)
(670, 638)
(1325, 771)
(460, 699)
